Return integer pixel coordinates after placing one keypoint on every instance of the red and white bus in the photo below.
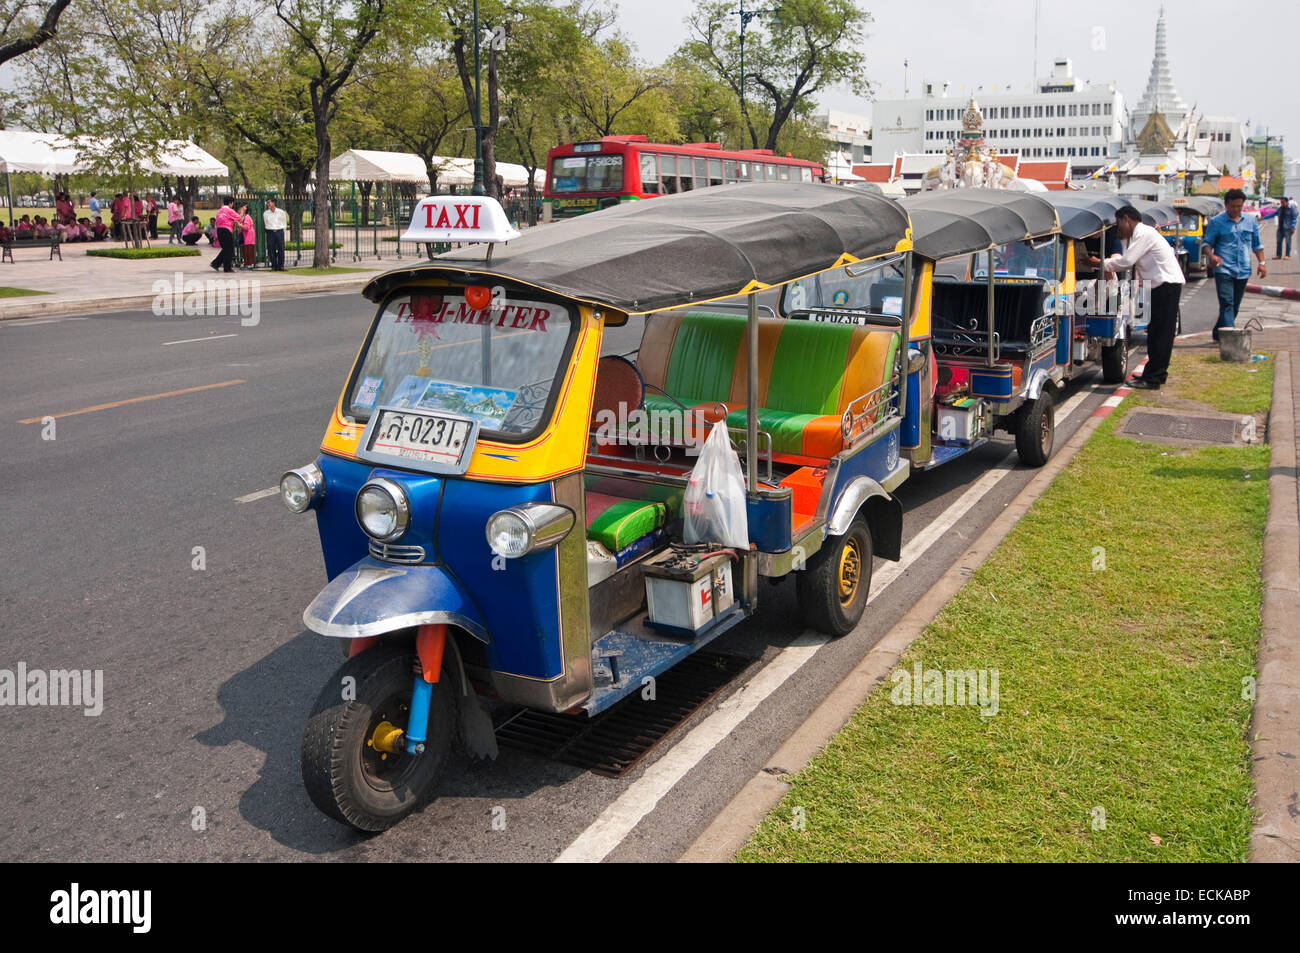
(585, 176)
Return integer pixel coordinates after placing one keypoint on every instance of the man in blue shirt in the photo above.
(1286, 219)
(1231, 238)
(94, 204)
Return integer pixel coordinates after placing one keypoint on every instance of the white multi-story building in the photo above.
(1227, 138)
(1060, 118)
(848, 133)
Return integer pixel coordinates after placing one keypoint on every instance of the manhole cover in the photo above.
(1183, 427)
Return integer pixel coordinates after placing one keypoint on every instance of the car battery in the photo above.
(684, 593)
(958, 422)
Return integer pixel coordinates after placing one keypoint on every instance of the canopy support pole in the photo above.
(905, 332)
(751, 394)
(989, 359)
(10, 196)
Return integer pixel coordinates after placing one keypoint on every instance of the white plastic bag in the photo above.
(714, 502)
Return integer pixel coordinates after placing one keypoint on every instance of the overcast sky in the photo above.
(1220, 63)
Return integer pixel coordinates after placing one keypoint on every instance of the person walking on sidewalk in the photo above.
(1231, 238)
(275, 221)
(226, 220)
(1286, 219)
(1154, 262)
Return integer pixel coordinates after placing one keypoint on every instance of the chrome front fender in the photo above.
(375, 598)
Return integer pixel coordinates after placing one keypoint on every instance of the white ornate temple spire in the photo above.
(1160, 95)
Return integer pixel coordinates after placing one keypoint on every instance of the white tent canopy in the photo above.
(366, 165)
(42, 153)
(52, 154)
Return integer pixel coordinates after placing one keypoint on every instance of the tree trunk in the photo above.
(321, 207)
(295, 191)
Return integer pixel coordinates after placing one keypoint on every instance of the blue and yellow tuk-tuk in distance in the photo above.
(1097, 314)
(986, 358)
(1188, 231)
(482, 537)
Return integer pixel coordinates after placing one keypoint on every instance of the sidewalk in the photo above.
(1275, 726)
(81, 283)
(1281, 274)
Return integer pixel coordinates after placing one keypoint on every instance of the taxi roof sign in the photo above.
(459, 218)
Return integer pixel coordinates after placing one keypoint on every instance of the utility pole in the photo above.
(745, 17)
(478, 113)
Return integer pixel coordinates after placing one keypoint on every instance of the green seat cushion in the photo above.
(808, 370)
(617, 522)
(785, 427)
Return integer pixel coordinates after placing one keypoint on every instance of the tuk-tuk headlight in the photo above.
(528, 528)
(383, 510)
(303, 488)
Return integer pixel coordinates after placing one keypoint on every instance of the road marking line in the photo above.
(132, 400)
(29, 322)
(214, 337)
(259, 495)
(622, 816)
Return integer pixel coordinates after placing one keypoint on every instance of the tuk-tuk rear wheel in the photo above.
(833, 588)
(1036, 430)
(349, 776)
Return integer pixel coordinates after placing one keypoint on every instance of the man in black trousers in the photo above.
(1154, 262)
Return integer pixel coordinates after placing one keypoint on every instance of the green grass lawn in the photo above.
(1121, 615)
(323, 271)
(19, 292)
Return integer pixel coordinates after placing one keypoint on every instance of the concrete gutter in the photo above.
(38, 306)
(736, 823)
(1275, 725)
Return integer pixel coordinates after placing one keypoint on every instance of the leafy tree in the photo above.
(602, 84)
(415, 108)
(20, 33)
(813, 44)
(327, 43)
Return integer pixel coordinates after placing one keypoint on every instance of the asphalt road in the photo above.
(209, 673)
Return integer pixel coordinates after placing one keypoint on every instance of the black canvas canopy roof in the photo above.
(1155, 214)
(1203, 204)
(1085, 213)
(678, 249)
(950, 222)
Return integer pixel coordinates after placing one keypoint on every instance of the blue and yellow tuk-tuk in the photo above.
(501, 508)
(1097, 314)
(1188, 231)
(986, 357)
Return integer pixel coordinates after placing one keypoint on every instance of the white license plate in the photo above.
(432, 438)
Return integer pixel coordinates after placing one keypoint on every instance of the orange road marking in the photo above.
(131, 400)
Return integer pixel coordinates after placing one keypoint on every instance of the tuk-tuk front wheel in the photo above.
(354, 766)
(1114, 362)
(1036, 430)
(833, 587)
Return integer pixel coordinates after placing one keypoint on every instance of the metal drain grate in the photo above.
(613, 742)
(1182, 427)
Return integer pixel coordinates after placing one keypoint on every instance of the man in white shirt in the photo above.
(274, 222)
(1154, 262)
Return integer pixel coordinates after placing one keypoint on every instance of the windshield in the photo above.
(600, 173)
(1019, 260)
(499, 366)
(876, 287)
(1187, 222)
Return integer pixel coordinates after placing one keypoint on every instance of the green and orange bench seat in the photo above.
(808, 375)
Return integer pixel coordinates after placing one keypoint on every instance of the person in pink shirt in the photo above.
(227, 219)
(175, 220)
(250, 238)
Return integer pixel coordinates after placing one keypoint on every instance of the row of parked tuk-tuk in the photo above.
(485, 539)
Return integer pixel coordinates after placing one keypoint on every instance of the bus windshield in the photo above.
(587, 173)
